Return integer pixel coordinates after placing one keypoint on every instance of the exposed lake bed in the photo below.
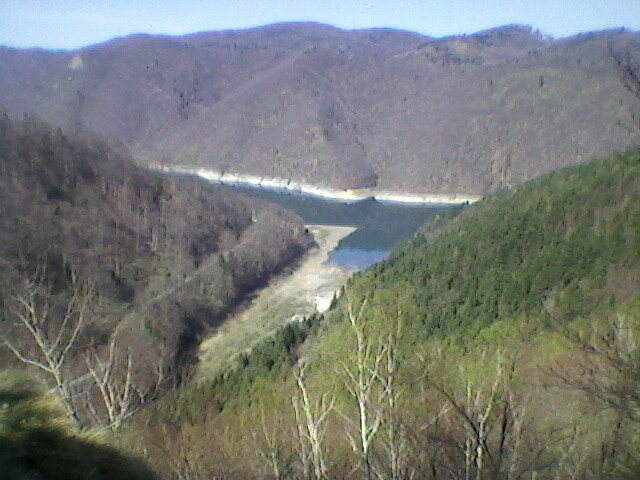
(350, 236)
(308, 288)
(326, 192)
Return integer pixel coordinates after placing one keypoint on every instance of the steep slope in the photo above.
(464, 114)
(36, 440)
(490, 345)
(569, 240)
(151, 262)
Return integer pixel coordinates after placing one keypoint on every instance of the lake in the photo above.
(381, 225)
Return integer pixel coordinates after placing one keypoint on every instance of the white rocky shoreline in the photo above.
(347, 195)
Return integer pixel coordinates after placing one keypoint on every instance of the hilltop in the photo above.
(378, 108)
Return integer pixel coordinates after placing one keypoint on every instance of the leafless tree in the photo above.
(54, 331)
(268, 443)
(488, 429)
(395, 438)
(49, 327)
(519, 415)
(119, 394)
(311, 420)
(363, 381)
(475, 410)
(608, 364)
(605, 367)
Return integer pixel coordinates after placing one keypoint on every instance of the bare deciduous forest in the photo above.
(111, 274)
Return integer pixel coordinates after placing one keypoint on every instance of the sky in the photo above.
(75, 23)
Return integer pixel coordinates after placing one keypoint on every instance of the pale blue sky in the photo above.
(75, 23)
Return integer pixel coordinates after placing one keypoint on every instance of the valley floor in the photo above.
(309, 288)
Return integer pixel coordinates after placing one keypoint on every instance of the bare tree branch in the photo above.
(311, 426)
(53, 337)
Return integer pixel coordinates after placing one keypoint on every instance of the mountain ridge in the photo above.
(345, 109)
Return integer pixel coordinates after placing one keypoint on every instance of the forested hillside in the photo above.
(565, 243)
(378, 108)
(500, 344)
(110, 274)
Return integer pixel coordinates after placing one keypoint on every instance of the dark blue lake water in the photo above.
(381, 225)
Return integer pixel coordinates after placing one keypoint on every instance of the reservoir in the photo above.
(380, 225)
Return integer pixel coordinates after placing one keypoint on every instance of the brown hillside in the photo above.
(379, 107)
(157, 260)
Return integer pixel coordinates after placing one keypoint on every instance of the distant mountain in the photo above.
(379, 107)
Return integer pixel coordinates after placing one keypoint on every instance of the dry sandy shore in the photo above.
(309, 288)
(349, 195)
